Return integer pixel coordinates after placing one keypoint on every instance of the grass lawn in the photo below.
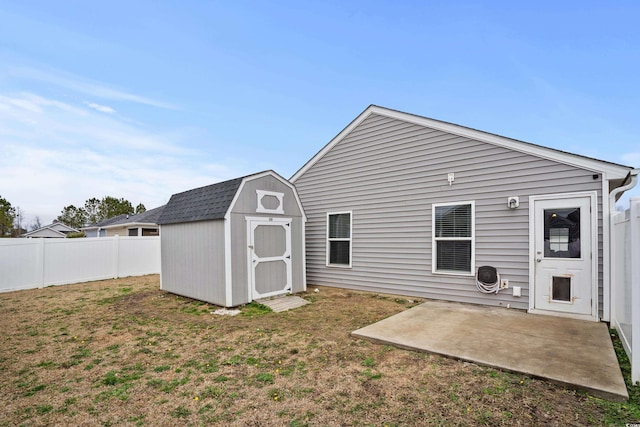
(122, 352)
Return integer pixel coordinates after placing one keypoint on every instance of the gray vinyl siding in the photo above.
(390, 172)
(193, 260)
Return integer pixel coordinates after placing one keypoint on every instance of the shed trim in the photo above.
(228, 284)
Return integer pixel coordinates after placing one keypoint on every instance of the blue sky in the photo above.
(141, 99)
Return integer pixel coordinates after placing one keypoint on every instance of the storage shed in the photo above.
(235, 241)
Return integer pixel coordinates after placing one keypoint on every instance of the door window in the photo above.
(562, 233)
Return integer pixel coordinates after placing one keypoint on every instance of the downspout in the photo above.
(633, 176)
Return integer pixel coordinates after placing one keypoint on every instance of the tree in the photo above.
(7, 216)
(35, 225)
(110, 207)
(92, 209)
(72, 216)
(97, 210)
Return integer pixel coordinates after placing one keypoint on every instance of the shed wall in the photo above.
(390, 172)
(246, 205)
(193, 260)
(239, 255)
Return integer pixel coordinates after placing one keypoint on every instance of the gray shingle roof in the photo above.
(109, 221)
(200, 204)
(150, 217)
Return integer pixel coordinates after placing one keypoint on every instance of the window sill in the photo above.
(453, 273)
(338, 265)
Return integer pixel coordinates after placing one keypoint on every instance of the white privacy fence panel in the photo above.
(141, 255)
(33, 263)
(625, 282)
(77, 260)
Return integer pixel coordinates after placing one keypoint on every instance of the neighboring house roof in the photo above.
(57, 229)
(613, 171)
(149, 217)
(210, 202)
(201, 204)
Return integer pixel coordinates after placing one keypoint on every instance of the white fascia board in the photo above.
(613, 171)
(129, 225)
(35, 232)
(56, 225)
(336, 139)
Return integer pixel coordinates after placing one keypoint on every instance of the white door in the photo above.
(564, 251)
(269, 249)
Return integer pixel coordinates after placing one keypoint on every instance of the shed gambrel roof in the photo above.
(613, 171)
(212, 201)
(201, 204)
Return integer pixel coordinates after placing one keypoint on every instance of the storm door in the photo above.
(564, 279)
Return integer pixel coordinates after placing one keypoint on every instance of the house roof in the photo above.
(612, 170)
(148, 217)
(212, 201)
(55, 229)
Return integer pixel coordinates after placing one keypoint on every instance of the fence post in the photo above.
(116, 255)
(40, 262)
(613, 266)
(634, 232)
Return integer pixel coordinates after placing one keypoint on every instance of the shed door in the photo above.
(269, 256)
(564, 255)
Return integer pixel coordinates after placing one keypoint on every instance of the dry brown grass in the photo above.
(122, 352)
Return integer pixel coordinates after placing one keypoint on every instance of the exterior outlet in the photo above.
(504, 284)
(517, 291)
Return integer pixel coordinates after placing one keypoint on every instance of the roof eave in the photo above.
(609, 170)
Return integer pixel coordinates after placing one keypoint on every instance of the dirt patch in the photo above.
(122, 352)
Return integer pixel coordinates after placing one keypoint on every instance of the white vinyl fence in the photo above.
(34, 263)
(625, 282)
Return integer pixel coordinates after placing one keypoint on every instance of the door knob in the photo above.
(538, 259)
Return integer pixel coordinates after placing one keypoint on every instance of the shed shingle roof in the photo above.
(200, 204)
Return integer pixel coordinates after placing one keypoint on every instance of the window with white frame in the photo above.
(454, 238)
(339, 239)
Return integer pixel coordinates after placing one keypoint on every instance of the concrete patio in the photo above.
(578, 354)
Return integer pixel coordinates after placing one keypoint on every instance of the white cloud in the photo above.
(101, 108)
(56, 153)
(82, 85)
